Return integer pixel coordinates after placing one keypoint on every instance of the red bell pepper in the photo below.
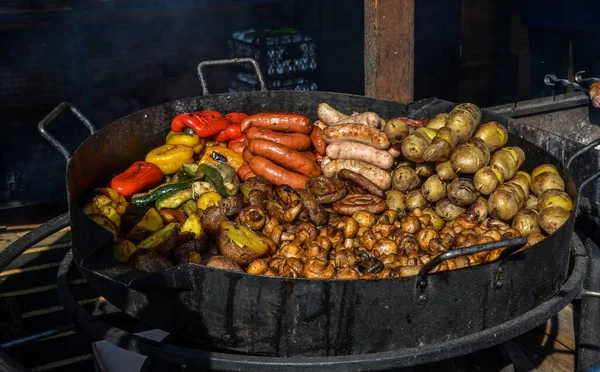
(232, 132)
(140, 176)
(236, 117)
(204, 123)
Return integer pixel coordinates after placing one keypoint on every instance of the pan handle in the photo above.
(231, 61)
(511, 246)
(53, 115)
(587, 148)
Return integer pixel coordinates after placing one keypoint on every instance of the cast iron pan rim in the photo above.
(373, 361)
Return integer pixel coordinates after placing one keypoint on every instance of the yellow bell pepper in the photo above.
(169, 158)
(180, 138)
(215, 153)
(200, 146)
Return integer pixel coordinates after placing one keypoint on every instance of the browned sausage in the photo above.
(278, 122)
(246, 154)
(295, 141)
(356, 133)
(381, 178)
(275, 174)
(316, 137)
(359, 151)
(284, 156)
(244, 172)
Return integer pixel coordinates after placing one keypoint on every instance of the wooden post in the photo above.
(389, 49)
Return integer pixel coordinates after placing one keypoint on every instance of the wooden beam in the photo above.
(389, 49)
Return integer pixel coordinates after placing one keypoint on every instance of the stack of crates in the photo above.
(288, 59)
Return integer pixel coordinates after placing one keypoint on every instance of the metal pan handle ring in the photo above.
(259, 75)
(511, 245)
(53, 115)
(587, 148)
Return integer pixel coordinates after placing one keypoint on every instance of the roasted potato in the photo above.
(396, 131)
(470, 156)
(240, 244)
(552, 218)
(462, 192)
(448, 211)
(123, 250)
(405, 178)
(105, 222)
(493, 134)
(413, 147)
(433, 189)
(463, 120)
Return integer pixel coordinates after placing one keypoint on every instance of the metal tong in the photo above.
(552, 80)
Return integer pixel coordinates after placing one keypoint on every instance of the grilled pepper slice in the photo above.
(204, 123)
(140, 176)
(236, 117)
(160, 191)
(218, 154)
(169, 158)
(233, 131)
(180, 138)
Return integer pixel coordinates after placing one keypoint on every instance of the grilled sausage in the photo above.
(378, 176)
(316, 137)
(295, 141)
(278, 122)
(356, 133)
(284, 156)
(275, 174)
(358, 151)
(246, 154)
(370, 119)
(245, 172)
(329, 115)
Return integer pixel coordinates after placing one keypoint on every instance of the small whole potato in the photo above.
(445, 172)
(415, 199)
(405, 178)
(396, 200)
(396, 130)
(487, 179)
(552, 218)
(544, 168)
(433, 189)
(448, 211)
(425, 169)
(470, 156)
(525, 221)
(532, 202)
(503, 203)
(479, 208)
(545, 181)
(555, 197)
(438, 121)
(493, 134)
(462, 192)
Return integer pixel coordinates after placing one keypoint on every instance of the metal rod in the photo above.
(17, 248)
(552, 80)
(259, 75)
(36, 336)
(514, 243)
(53, 115)
(586, 293)
(582, 151)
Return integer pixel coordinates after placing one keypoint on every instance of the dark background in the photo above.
(111, 58)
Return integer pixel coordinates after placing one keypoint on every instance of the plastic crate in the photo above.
(287, 58)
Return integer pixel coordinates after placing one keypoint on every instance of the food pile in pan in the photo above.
(349, 196)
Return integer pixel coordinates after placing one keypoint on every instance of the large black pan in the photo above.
(284, 316)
